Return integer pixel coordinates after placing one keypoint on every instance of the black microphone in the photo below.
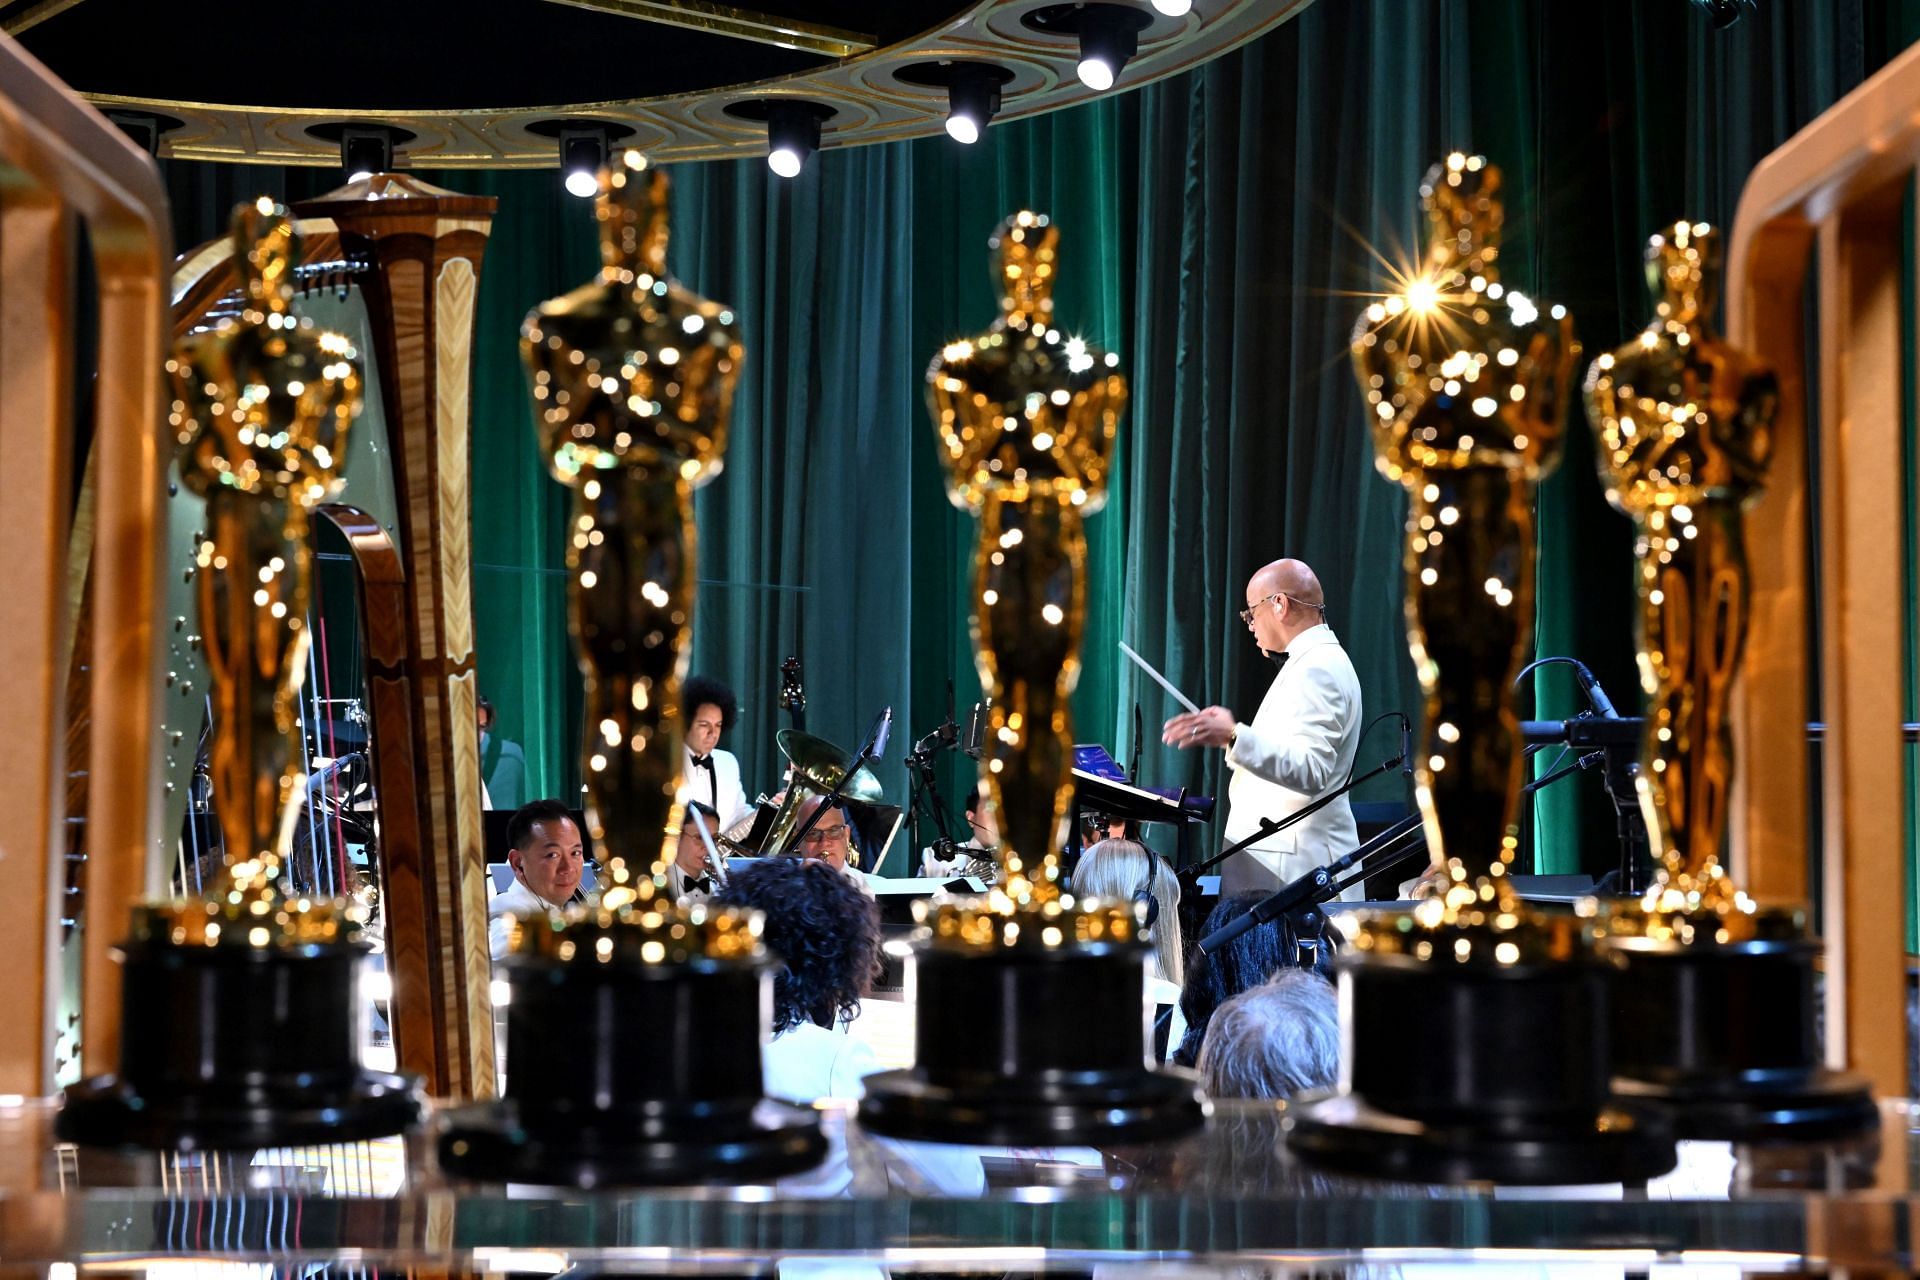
(880, 732)
(1596, 696)
(1406, 746)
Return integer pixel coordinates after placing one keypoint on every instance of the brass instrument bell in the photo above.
(816, 767)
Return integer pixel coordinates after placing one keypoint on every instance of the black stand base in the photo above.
(489, 1142)
(234, 1047)
(107, 1111)
(1341, 1132)
(1462, 1068)
(627, 1073)
(1722, 1038)
(1031, 1047)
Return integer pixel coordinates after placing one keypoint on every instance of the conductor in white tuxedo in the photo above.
(1301, 743)
(708, 774)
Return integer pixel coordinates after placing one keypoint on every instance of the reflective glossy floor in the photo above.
(1227, 1201)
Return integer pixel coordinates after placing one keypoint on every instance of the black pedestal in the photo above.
(1031, 1047)
(236, 1046)
(629, 1073)
(1721, 1036)
(1477, 1071)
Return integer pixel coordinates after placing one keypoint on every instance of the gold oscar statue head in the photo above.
(1026, 415)
(633, 379)
(262, 404)
(1466, 382)
(1685, 425)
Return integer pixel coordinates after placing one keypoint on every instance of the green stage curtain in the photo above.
(1221, 231)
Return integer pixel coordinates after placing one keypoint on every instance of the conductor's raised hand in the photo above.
(1207, 727)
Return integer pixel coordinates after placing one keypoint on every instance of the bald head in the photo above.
(1286, 599)
(1290, 576)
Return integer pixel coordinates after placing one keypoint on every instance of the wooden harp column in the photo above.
(424, 245)
(1819, 230)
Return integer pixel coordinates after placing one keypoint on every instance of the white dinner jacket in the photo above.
(733, 804)
(515, 899)
(1300, 745)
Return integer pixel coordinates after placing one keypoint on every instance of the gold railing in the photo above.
(61, 163)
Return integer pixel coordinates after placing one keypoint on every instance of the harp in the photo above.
(393, 263)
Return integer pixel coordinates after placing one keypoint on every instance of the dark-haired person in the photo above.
(980, 844)
(1212, 980)
(827, 934)
(548, 858)
(708, 774)
(690, 877)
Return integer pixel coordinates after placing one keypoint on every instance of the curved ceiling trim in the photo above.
(871, 104)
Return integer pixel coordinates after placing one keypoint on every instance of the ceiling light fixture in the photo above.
(1109, 36)
(973, 99)
(365, 150)
(583, 154)
(793, 134)
(1173, 8)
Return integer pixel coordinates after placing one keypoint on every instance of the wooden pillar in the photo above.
(1832, 199)
(426, 245)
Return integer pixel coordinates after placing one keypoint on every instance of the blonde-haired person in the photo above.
(1118, 869)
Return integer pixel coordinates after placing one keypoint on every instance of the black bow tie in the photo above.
(704, 762)
(701, 884)
(1279, 659)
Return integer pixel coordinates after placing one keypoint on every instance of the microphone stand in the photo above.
(867, 752)
(1616, 741)
(1271, 826)
(1319, 885)
(925, 790)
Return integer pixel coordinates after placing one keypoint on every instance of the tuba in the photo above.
(816, 767)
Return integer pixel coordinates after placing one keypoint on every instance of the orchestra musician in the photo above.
(690, 877)
(710, 775)
(548, 859)
(1301, 743)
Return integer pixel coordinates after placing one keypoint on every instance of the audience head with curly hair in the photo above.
(1275, 1040)
(822, 926)
(1212, 980)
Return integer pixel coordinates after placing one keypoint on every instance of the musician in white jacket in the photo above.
(1302, 740)
(708, 774)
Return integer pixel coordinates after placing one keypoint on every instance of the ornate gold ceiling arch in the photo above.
(871, 104)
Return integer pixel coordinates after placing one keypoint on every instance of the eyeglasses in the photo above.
(1246, 614)
(835, 834)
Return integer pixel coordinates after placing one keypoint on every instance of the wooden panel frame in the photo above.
(60, 159)
(1833, 197)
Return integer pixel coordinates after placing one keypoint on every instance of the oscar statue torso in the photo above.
(633, 381)
(262, 405)
(1465, 383)
(1685, 428)
(1026, 418)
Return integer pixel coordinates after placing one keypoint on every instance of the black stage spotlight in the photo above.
(973, 92)
(583, 154)
(144, 128)
(1724, 13)
(365, 150)
(1109, 36)
(793, 129)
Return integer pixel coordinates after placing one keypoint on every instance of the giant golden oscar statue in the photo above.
(1685, 427)
(1026, 416)
(241, 1010)
(634, 1030)
(1465, 382)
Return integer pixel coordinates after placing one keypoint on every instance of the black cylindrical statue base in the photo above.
(1722, 1037)
(235, 1046)
(1463, 1072)
(1031, 1046)
(629, 1073)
